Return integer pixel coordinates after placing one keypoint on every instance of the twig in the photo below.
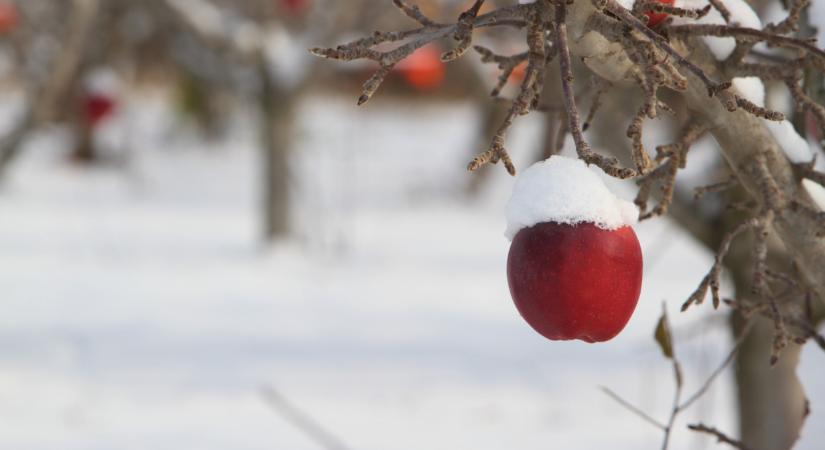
(720, 437)
(608, 165)
(749, 34)
(711, 280)
(629, 19)
(528, 97)
(464, 32)
(311, 427)
(632, 408)
(725, 363)
(412, 40)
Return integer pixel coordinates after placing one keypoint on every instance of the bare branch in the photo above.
(720, 437)
(464, 32)
(310, 426)
(718, 371)
(608, 165)
(414, 13)
(633, 409)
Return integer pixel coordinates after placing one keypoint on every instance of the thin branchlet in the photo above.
(670, 158)
(464, 32)
(607, 164)
(528, 97)
(752, 35)
(712, 279)
(720, 437)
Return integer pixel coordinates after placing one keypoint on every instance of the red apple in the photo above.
(654, 18)
(575, 281)
(97, 108)
(424, 69)
(296, 7)
(8, 17)
(518, 73)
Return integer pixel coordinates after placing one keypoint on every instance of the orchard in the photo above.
(412, 224)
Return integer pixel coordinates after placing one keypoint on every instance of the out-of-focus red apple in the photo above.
(575, 281)
(424, 69)
(8, 17)
(296, 7)
(653, 18)
(518, 73)
(98, 107)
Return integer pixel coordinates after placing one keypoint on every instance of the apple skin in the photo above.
(653, 18)
(575, 281)
(296, 7)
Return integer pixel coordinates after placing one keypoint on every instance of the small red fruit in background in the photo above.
(98, 107)
(575, 281)
(518, 73)
(101, 95)
(423, 69)
(654, 18)
(296, 7)
(8, 17)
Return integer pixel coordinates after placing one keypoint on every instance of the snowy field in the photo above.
(141, 311)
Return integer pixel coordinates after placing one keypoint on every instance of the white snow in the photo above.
(816, 9)
(626, 4)
(751, 89)
(140, 309)
(796, 148)
(565, 190)
(816, 191)
(102, 81)
(286, 55)
(741, 13)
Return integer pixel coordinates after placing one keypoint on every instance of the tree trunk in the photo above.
(277, 107)
(84, 150)
(771, 399)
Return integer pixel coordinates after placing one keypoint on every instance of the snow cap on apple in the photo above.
(575, 264)
(564, 190)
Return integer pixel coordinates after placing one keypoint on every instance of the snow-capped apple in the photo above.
(575, 264)
(655, 18)
(423, 69)
(8, 17)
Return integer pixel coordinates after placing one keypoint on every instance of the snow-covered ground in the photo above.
(141, 311)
